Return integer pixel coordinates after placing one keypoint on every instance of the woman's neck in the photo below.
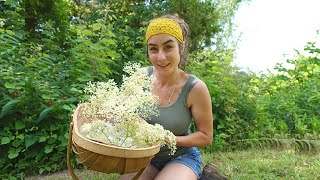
(167, 80)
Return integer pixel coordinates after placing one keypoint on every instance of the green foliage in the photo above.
(41, 83)
(288, 102)
(202, 17)
(39, 14)
(43, 73)
(9, 107)
(250, 106)
(229, 88)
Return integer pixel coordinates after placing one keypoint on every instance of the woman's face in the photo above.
(163, 52)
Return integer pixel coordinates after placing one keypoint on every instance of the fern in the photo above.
(9, 107)
(44, 114)
(307, 145)
(299, 145)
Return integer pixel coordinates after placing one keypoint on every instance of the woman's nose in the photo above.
(161, 56)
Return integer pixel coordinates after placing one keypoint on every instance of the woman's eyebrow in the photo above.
(150, 44)
(169, 41)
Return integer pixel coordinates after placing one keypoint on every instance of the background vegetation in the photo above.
(50, 49)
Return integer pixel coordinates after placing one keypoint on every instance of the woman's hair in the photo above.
(185, 33)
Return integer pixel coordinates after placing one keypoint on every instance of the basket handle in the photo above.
(138, 174)
(70, 170)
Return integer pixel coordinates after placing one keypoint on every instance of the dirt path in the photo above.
(52, 176)
(81, 174)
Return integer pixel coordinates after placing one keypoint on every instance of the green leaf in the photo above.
(108, 42)
(96, 26)
(10, 85)
(45, 55)
(42, 139)
(51, 140)
(48, 168)
(53, 127)
(44, 114)
(48, 149)
(30, 140)
(63, 140)
(67, 107)
(6, 109)
(87, 32)
(41, 170)
(74, 89)
(73, 99)
(45, 96)
(12, 178)
(16, 143)
(5, 140)
(66, 135)
(10, 32)
(12, 39)
(84, 79)
(111, 34)
(54, 136)
(20, 136)
(220, 126)
(13, 153)
(19, 125)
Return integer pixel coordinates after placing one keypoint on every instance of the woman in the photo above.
(183, 99)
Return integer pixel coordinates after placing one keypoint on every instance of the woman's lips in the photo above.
(163, 66)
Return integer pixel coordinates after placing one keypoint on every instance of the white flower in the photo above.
(118, 114)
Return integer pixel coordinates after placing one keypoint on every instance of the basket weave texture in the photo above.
(106, 158)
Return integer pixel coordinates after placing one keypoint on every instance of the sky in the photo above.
(272, 29)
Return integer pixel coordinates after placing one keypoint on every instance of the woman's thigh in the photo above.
(127, 176)
(176, 171)
(148, 174)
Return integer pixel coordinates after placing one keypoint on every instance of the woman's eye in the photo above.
(169, 47)
(153, 49)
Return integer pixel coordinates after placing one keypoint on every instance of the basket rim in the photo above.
(108, 149)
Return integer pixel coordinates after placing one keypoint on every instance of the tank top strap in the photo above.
(149, 70)
(190, 83)
(187, 88)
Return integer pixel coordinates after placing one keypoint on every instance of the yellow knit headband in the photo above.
(164, 26)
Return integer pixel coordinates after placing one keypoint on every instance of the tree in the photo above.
(205, 18)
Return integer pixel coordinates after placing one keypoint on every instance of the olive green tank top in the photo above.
(176, 118)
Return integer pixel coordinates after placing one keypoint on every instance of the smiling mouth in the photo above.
(163, 66)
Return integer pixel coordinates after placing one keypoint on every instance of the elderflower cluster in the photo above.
(118, 114)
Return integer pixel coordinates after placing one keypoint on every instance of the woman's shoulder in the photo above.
(198, 92)
(197, 85)
(195, 81)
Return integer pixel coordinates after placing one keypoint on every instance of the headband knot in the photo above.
(164, 26)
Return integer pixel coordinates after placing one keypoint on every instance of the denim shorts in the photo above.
(192, 159)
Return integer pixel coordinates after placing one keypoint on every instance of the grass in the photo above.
(237, 165)
(266, 164)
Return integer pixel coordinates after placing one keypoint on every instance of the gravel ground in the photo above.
(52, 176)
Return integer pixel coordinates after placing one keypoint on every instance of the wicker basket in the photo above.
(105, 158)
